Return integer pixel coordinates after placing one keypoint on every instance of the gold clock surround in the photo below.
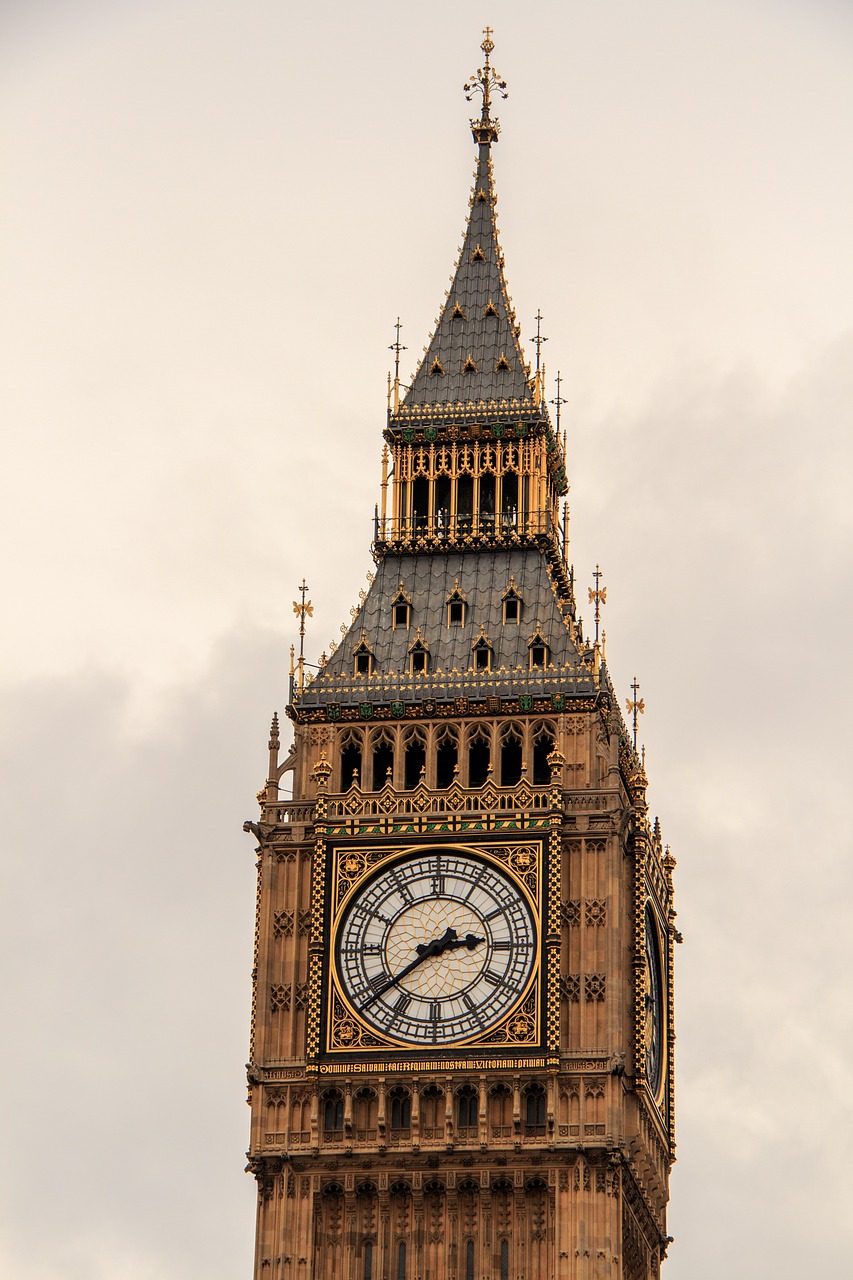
(520, 1030)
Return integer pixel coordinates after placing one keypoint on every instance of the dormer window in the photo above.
(419, 656)
(456, 607)
(540, 653)
(512, 603)
(364, 662)
(457, 313)
(401, 610)
(482, 652)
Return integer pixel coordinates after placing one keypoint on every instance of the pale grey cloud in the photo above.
(211, 224)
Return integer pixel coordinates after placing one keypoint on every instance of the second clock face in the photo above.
(436, 948)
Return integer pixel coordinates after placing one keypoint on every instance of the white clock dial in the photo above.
(436, 948)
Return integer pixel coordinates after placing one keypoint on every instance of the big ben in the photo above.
(462, 1055)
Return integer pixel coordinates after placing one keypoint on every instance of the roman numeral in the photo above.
(505, 945)
(378, 980)
(402, 1003)
(494, 979)
(435, 1011)
(438, 885)
(498, 911)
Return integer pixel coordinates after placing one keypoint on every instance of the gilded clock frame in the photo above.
(520, 1031)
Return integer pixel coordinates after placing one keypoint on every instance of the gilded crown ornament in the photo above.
(485, 81)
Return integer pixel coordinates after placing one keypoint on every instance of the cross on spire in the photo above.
(538, 340)
(558, 400)
(397, 346)
(303, 610)
(485, 81)
(635, 707)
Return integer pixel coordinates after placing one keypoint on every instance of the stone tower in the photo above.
(462, 1033)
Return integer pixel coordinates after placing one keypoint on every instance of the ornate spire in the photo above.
(484, 81)
(474, 355)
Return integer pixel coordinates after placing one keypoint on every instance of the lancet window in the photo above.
(446, 759)
(543, 744)
(467, 1112)
(479, 759)
(382, 761)
(333, 1115)
(500, 1111)
(401, 1109)
(432, 1113)
(534, 1111)
(512, 756)
(414, 767)
(351, 760)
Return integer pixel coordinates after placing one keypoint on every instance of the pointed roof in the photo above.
(474, 353)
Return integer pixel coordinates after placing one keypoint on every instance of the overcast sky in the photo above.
(212, 214)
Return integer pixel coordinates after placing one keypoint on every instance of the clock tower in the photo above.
(461, 1064)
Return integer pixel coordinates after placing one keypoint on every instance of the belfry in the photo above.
(461, 1064)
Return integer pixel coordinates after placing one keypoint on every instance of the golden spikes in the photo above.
(502, 365)
(469, 366)
(491, 309)
(436, 368)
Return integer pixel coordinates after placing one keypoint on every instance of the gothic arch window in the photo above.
(401, 1260)
(467, 1110)
(544, 742)
(479, 759)
(500, 1111)
(401, 610)
(509, 499)
(469, 1260)
(446, 759)
(401, 1109)
(534, 1111)
(414, 760)
(420, 503)
(465, 503)
(504, 1260)
(442, 505)
(368, 1260)
(351, 759)
(381, 760)
(487, 501)
(432, 1113)
(512, 603)
(512, 756)
(333, 1115)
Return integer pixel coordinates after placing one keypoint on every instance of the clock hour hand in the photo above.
(449, 941)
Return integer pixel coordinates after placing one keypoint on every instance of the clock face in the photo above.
(436, 948)
(654, 1005)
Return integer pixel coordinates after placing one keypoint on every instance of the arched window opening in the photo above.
(350, 765)
(333, 1115)
(442, 505)
(420, 502)
(401, 1109)
(479, 760)
(368, 1260)
(534, 1112)
(401, 1260)
(366, 1106)
(543, 745)
(404, 502)
(432, 1113)
(415, 763)
(509, 500)
(383, 763)
(504, 1260)
(500, 1111)
(469, 1260)
(465, 502)
(467, 1111)
(511, 759)
(540, 653)
(446, 762)
(487, 501)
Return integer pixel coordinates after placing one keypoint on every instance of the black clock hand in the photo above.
(449, 941)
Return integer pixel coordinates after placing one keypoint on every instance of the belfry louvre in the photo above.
(461, 1064)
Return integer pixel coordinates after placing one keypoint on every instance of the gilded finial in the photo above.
(485, 81)
(303, 610)
(598, 597)
(635, 706)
